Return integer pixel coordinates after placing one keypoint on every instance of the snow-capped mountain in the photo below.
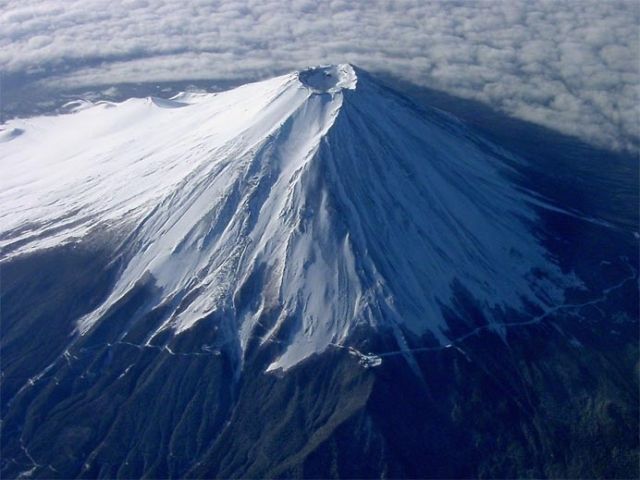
(202, 285)
(312, 202)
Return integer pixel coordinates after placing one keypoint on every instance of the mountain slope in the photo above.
(306, 205)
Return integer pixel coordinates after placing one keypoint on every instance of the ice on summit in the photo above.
(300, 207)
(329, 78)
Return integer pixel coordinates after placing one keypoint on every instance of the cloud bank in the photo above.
(572, 66)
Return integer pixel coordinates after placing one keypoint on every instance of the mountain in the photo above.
(309, 276)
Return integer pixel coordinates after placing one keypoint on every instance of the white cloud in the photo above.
(572, 66)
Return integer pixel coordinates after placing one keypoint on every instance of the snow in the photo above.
(318, 200)
(9, 134)
(366, 360)
(329, 78)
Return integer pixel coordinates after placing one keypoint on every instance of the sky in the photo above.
(573, 66)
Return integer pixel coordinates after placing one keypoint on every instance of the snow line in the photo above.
(534, 320)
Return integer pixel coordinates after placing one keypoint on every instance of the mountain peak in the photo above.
(329, 78)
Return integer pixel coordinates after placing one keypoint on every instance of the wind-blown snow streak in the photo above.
(306, 204)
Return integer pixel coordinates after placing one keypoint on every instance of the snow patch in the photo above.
(166, 103)
(77, 105)
(8, 134)
(368, 360)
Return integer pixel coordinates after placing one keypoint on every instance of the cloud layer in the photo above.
(572, 66)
